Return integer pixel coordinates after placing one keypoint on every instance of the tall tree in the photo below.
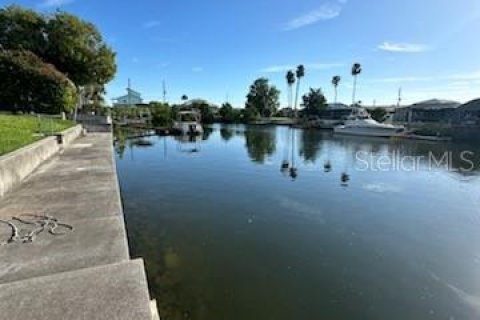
(77, 49)
(290, 82)
(22, 29)
(356, 70)
(314, 102)
(300, 73)
(228, 113)
(335, 82)
(262, 98)
(72, 46)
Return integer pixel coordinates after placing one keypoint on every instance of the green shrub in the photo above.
(27, 84)
(162, 115)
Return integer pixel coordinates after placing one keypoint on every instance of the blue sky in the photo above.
(214, 49)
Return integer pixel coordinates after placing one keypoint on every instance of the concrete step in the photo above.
(116, 291)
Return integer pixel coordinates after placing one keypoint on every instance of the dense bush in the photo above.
(28, 84)
(162, 115)
(228, 114)
(47, 58)
(378, 114)
(75, 47)
(262, 98)
(314, 102)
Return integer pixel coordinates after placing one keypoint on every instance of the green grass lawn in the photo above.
(17, 131)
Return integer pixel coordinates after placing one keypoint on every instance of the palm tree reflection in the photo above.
(327, 166)
(345, 178)
(288, 165)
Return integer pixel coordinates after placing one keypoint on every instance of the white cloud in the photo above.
(151, 24)
(55, 3)
(401, 79)
(325, 12)
(197, 69)
(308, 66)
(467, 77)
(403, 47)
(277, 69)
(475, 75)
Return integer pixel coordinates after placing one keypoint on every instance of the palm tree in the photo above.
(335, 82)
(300, 73)
(356, 70)
(290, 82)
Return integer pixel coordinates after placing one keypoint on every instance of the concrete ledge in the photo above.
(116, 291)
(69, 135)
(17, 165)
(86, 272)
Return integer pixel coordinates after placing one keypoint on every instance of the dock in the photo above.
(78, 265)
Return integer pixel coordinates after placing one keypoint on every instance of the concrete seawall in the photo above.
(76, 265)
(16, 166)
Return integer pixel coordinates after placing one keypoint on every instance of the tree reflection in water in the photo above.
(227, 133)
(310, 147)
(207, 131)
(260, 144)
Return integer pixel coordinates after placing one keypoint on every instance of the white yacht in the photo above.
(361, 124)
(188, 122)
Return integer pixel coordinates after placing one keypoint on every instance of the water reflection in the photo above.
(227, 133)
(263, 143)
(311, 145)
(207, 131)
(260, 143)
(223, 229)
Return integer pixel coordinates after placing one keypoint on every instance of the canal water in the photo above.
(363, 228)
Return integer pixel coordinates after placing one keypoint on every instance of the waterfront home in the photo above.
(336, 111)
(192, 103)
(468, 113)
(197, 104)
(132, 98)
(430, 111)
(286, 112)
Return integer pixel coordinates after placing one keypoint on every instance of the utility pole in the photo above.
(399, 101)
(164, 92)
(129, 94)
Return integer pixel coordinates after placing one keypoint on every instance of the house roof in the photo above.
(130, 93)
(436, 104)
(133, 92)
(338, 106)
(473, 105)
(192, 102)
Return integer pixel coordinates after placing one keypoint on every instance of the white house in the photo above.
(132, 98)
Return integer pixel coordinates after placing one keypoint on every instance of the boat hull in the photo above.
(369, 132)
(191, 128)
